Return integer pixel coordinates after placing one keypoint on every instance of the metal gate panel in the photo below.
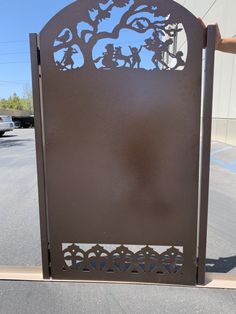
(118, 136)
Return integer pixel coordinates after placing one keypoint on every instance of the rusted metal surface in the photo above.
(122, 133)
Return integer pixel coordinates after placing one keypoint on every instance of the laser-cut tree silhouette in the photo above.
(93, 15)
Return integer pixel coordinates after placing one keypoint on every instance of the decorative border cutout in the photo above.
(122, 258)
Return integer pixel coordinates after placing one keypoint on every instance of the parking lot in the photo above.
(20, 245)
(19, 221)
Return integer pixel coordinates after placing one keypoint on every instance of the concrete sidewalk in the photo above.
(66, 298)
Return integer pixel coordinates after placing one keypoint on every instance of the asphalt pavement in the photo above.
(20, 245)
(221, 242)
(19, 219)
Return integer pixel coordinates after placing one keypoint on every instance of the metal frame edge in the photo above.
(206, 150)
(37, 102)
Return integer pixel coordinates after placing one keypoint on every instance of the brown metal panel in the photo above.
(122, 142)
(206, 149)
(39, 151)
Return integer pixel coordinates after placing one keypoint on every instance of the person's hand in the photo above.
(222, 44)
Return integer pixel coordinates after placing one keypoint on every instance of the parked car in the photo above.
(23, 121)
(6, 124)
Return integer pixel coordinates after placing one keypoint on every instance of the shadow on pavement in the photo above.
(221, 265)
(10, 143)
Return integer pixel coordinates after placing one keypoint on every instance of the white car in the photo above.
(6, 124)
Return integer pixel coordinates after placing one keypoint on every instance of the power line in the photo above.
(13, 41)
(13, 82)
(3, 63)
(211, 6)
(13, 53)
(207, 11)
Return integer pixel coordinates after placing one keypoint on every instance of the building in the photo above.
(224, 106)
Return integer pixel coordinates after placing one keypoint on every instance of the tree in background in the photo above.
(15, 102)
(28, 97)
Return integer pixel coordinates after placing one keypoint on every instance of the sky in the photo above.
(18, 18)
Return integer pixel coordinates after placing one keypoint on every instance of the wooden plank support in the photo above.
(10, 273)
(21, 273)
(220, 281)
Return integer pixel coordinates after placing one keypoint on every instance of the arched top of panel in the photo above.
(111, 35)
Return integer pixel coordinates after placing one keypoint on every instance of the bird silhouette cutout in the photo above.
(64, 38)
(140, 25)
(173, 32)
